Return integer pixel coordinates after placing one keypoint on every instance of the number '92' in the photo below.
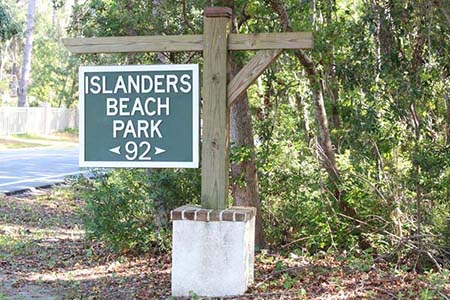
(135, 150)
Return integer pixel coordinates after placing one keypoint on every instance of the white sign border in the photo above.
(142, 164)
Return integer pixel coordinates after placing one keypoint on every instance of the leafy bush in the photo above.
(129, 209)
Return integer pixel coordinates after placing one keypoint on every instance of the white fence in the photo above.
(37, 120)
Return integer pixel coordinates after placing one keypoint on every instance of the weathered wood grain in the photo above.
(174, 43)
(250, 72)
(282, 40)
(157, 43)
(215, 145)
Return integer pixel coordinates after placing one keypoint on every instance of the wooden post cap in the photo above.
(215, 12)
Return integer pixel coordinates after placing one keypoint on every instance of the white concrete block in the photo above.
(212, 258)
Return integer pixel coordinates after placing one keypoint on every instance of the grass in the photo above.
(15, 144)
(60, 136)
(14, 245)
(28, 140)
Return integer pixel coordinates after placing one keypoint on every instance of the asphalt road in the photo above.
(26, 168)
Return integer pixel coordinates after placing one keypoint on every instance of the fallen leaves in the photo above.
(43, 254)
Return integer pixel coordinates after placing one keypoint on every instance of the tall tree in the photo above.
(244, 186)
(325, 148)
(26, 66)
(316, 85)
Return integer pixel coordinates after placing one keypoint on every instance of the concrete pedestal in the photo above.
(213, 251)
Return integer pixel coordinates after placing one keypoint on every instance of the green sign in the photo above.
(139, 116)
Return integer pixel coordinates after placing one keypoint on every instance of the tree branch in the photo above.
(185, 18)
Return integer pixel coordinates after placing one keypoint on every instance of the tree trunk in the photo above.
(330, 71)
(241, 135)
(333, 92)
(3, 58)
(131, 31)
(325, 150)
(26, 66)
(14, 68)
(54, 17)
(303, 110)
(161, 212)
(447, 117)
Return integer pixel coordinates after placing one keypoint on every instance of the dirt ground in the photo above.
(43, 255)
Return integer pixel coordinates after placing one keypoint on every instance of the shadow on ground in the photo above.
(44, 256)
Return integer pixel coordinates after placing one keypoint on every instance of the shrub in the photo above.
(129, 209)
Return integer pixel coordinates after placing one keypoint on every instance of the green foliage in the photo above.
(9, 26)
(384, 74)
(53, 70)
(12, 27)
(129, 209)
(392, 172)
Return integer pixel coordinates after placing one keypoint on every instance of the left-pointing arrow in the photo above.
(115, 150)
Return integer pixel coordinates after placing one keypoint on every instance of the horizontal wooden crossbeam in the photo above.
(157, 43)
(175, 43)
(266, 41)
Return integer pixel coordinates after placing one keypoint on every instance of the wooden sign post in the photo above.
(214, 255)
(215, 43)
(217, 26)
